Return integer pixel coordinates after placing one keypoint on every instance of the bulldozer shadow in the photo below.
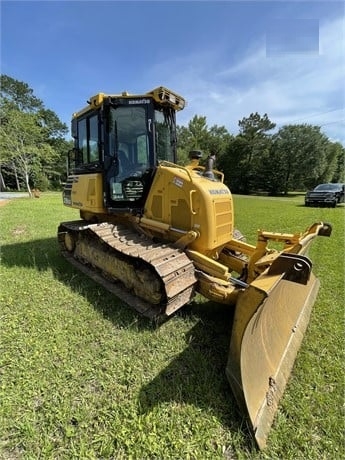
(196, 377)
(42, 255)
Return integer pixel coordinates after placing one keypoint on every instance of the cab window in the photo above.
(93, 139)
(82, 140)
(164, 136)
(88, 139)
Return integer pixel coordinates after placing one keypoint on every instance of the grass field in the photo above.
(84, 377)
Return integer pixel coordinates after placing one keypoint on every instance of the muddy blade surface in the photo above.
(267, 333)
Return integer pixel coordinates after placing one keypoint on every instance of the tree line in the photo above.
(295, 157)
(33, 148)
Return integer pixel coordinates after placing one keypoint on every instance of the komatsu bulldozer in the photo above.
(155, 233)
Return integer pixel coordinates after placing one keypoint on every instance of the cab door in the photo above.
(129, 155)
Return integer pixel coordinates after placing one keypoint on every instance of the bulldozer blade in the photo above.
(270, 321)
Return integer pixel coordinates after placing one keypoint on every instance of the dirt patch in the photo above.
(3, 202)
(19, 230)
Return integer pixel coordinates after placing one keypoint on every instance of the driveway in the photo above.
(6, 196)
(9, 195)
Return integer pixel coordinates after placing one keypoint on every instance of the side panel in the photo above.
(84, 191)
(186, 201)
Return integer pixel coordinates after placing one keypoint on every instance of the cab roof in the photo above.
(161, 95)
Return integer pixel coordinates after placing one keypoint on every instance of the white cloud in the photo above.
(290, 88)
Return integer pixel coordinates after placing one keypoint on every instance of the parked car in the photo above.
(325, 195)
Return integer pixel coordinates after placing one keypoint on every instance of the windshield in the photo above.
(323, 187)
(129, 146)
(131, 131)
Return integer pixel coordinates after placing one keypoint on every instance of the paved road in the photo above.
(9, 195)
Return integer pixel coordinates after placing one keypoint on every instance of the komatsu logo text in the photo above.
(139, 101)
(219, 191)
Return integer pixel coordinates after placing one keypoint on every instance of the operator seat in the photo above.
(124, 162)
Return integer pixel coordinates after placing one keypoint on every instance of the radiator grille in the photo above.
(223, 213)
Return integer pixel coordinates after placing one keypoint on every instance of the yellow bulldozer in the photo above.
(155, 233)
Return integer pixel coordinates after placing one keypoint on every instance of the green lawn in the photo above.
(84, 377)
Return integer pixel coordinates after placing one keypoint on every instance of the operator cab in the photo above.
(124, 137)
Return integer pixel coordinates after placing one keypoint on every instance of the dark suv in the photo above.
(325, 195)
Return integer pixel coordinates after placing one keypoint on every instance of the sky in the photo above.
(228, 59)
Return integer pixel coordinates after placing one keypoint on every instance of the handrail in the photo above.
(191, 202)
(174, 165)
(187, 170)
